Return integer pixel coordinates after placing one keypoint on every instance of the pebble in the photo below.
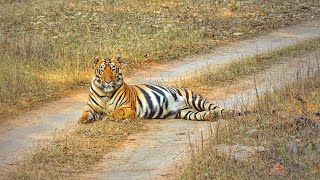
(238, 34)
(238, 152)
(293, 148)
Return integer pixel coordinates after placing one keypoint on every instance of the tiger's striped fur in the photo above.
(109, 93)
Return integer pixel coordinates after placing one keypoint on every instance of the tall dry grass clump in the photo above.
(286, 129)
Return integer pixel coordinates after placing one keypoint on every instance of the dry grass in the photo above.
(73, 153)
(292, 145)
(46, 47)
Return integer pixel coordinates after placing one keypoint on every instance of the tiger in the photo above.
(109, 94)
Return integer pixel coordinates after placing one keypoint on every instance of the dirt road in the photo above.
(23, 132)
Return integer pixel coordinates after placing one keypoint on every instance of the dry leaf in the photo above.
(181, 133)
(277, 169)
(315, 168)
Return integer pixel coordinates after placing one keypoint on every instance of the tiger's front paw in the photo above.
(86, 118)
(118, 115)
(121, 114)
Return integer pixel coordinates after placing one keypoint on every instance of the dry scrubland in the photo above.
(47, 47)
(76, 152)
(287, 126)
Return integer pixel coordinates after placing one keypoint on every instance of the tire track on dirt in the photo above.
(22, 133)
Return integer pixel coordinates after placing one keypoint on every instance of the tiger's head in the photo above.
(108, 74)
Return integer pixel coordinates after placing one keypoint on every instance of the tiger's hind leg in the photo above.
(219, 112)
(199, 104)
(194, 115)
(200, 109)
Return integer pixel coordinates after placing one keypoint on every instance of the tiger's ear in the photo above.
(118, 60)
(97, 59)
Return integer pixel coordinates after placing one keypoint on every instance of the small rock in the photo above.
(126, 121)
(238, 152)
(238, 33)
(251, 131)
(293, 148)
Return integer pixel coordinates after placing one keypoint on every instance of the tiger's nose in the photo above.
(108, 81)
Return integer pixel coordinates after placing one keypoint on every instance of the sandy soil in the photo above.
(159, 148)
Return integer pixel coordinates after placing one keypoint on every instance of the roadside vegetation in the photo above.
(69, 154)
(47, 47)
(286, 129)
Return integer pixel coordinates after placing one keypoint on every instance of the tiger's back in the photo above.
(151, 101)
